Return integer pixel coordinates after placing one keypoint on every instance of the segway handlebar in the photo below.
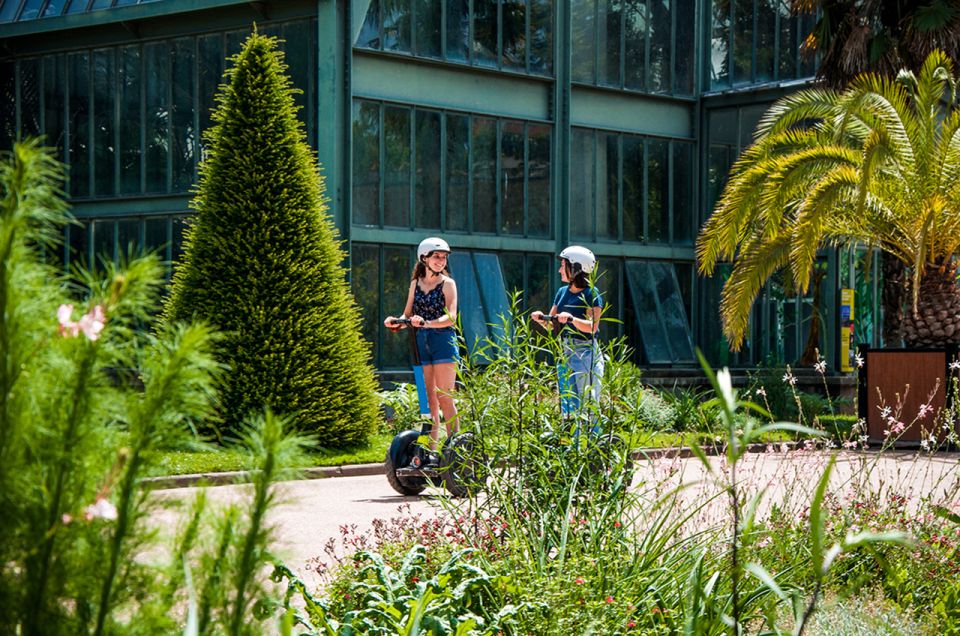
(402, 321)
(549, 317)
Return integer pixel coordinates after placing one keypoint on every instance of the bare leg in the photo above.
(445, 379)
(429, 379)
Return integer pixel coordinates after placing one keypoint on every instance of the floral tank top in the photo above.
(430, 305)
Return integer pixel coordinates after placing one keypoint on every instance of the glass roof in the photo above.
(24, 10)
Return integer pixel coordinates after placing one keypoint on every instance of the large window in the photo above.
(756, 41)
(91, 241)
(421, 168)
(631, 188)
(641, 45)
(514, 35)
(127, 119)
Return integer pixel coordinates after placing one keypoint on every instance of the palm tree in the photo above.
(877, 165)
(851, 37)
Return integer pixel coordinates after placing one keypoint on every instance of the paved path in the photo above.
(311, 512)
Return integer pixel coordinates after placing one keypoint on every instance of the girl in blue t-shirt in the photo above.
(577, 307)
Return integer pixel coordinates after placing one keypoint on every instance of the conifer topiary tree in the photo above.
(262, 264)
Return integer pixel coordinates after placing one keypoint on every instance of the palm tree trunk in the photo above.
(892, 299)
(936, 319)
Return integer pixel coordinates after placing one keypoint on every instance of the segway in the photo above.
(406, 464)
(606, 454)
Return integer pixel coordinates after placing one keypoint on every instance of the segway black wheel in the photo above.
(401, 451)
(462, 468)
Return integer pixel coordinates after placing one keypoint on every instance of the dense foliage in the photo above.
(87, 398)
(263, 265)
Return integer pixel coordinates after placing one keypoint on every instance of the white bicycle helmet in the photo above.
(579, 257)
(431, 244)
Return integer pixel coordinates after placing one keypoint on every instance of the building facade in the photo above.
(510, 127)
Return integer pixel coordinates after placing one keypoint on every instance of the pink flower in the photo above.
(579, 581)
(66, 518)
(68, 328)
(91, 323)
(609, 600)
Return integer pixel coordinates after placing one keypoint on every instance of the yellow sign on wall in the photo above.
(848, 346)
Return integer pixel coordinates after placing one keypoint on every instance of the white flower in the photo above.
(885, 412)
(100, 509)
(789, 379)
(762, 392)
(925, 445)
(924, 409)
(858, 360)
(821, 367)
(725, 382)
(955, 365)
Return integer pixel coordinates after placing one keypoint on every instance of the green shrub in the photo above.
(262, 263)
(85, 407)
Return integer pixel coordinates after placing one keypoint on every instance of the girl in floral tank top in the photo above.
(432, 309)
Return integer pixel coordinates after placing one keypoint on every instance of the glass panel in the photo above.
(458, 173)
(469, 302)
(8, 104)
(54, 7)
(128, 237)
(30, 97)
(582, 187)
(493, 292)
(608, 280)
(808, 61)
(396, 179)
(365, 285)
(684, 207)
(672, 311)
(299, 49)
(79, 244)
(369, 37)
(8, 10)
(719, 161)
(789, 42)
(427, 192)
(766, 39)
(538, 293)
(647, 312)
(608, 42)
(659, 63)
(131, 123)
(104, 148)
(584, 41)
(541, 36)
(633, 188)
(749, 118)
(658, 192)
(209, 74)
(366, 163)
(427, 28)
(54, 81)
(511, 264)
(79, 81)
(511, 177)
(742, 40)
(157, 126)
(684, 51)
(396, 25)
(538, 180)
(485, 32)
(684, 273)
(457, 31)
(608, 186)
(104, 241)
(183, 135)
(720, 43)
(234, 40)
(100, 4)
(636, 24)
(77, 6)
(484, 175)
(396, 285)
(155, 238)
(514, 34)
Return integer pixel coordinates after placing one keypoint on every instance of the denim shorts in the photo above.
(437, 346)
(580, 373)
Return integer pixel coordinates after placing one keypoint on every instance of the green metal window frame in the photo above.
(497, 170)
(590, 198)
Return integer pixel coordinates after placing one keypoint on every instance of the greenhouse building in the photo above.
(509, 127)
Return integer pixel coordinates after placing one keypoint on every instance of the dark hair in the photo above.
(579, 279)
(420, 269)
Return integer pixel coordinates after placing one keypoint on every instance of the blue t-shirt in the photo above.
(576, 304)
